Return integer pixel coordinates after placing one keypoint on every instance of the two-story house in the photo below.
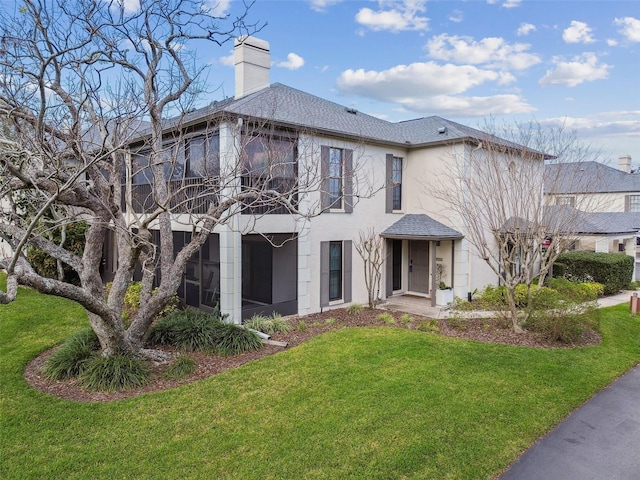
(607, 201)
(343, 170)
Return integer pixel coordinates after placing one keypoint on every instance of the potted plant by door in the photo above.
(444, 293)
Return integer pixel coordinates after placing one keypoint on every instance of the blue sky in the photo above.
(576, 62)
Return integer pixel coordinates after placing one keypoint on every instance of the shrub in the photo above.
(354, 309)
(386, 318)
(432, 326)
(493, 298)
(562, 325)
(302, 326)
(406, 318)
(180, 368)
(269, 325)
(113, 373)
(190, 330)
(70, 359)
(233, 339)
(577, 291)
(613, 270)
(330, 321)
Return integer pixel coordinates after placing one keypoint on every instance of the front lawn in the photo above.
(354, 403)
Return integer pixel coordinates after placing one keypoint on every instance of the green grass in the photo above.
(361, 403)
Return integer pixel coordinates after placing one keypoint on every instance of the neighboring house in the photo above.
(372, 174)
(607, 201)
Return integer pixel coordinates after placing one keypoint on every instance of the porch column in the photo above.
(230, 236)
(432, 261)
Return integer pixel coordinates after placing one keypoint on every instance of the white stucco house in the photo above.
(371, 174)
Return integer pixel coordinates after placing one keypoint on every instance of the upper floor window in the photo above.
(396, 178)
(269, 157)
(335, 178)
(633, 203)
(203, 156)
(566, 200)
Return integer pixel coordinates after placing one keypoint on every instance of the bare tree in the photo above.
(369, 246)
(494, 189)
(97, 104)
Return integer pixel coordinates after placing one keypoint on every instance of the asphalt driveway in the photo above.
(600, 440)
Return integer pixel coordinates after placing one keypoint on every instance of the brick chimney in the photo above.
(252, 60)
(624, 163)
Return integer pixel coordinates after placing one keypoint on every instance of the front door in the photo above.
(419, 266)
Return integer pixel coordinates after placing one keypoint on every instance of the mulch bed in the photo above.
(484, 330)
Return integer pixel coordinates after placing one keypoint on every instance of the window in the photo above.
(335, 271)
(335, 178)
(269, 163)
(571, 201)
(633, 203)
(396, 178)
(203, 156)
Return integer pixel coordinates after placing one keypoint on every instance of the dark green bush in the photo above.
(234, 339)
(70, 359)
(558, 270)
(192, 330)
(114, 373)
(181, 367)
(613, 270)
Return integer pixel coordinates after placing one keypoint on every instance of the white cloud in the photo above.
(322, 5)
(615, 132)
(583, 68)
(511, 3)
(227, 60)
(578, 32)
(130, 6)
(525, 29)
(630, 28)
(612, 42)
(456, 16)
(506, 3)
(428, 87)
(394, 16)
(493, 52)
(218, 8)
(293, 62)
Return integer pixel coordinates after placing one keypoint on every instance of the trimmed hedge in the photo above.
(613, 270)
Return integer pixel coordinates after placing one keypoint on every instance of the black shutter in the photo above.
(324, 178)
(389, 184)
(348, 181)
(324, 274)
(346, 273)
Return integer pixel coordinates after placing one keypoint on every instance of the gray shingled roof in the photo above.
(288, 106)
(595, 223)
(420, 226)
(588, 177)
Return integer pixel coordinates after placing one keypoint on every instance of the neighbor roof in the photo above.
(594, 223)
(420, 226)
(588, 177)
